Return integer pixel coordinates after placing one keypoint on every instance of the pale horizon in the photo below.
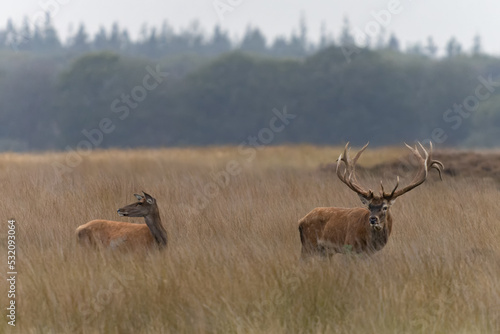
(411, 23)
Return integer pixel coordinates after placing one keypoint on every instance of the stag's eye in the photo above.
(384, 208)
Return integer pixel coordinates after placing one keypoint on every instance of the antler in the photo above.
(426, 162)
(349, 176)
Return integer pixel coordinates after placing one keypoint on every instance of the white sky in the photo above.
(413, 23)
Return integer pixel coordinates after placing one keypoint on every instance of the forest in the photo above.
(189, 88)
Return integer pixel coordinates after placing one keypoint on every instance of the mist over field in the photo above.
(199, 86)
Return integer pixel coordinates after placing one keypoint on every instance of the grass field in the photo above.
(232, 263)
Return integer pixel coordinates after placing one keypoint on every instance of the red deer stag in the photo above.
(327, 231)
(114, 234)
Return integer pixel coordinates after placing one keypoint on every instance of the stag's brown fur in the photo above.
(327, 231)
(115, 234)
(338, 230)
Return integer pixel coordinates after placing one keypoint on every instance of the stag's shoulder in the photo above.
(324, 214)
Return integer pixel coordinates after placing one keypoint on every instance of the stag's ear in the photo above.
(392, 201)
(149, 198)
(364, 200)
(139, 197)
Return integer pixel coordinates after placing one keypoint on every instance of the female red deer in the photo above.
(114, 234)
(327, 231)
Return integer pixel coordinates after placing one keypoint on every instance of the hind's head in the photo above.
(144, 206)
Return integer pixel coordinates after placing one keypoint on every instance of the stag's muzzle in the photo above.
(375, 223)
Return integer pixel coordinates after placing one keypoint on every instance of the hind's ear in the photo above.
(149, 198)
(139, 197)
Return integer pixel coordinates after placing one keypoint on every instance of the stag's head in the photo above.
(379, 205)
(379, 208)
(146, 205)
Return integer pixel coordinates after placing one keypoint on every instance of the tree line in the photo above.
(117, 98)
(157, 42)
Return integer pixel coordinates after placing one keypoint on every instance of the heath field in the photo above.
(233, 260)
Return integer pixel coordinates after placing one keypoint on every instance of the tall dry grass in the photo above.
(232, 264)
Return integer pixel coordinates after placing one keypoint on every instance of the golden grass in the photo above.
(232, 265)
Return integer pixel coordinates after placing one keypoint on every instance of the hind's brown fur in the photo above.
(114, 234)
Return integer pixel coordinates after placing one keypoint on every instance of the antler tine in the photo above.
(346, 148)
(345, 155)
(339, 174)
(338, 165)
(355, 160)
(425, 162)
(425, 152)
(438, 165)
(419, 178)
(388, 196)
(349, 176)
(356, 157)
(414, 150)
(395, 187)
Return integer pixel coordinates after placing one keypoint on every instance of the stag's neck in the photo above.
(380, 237)
(153, 221)
(389, 223)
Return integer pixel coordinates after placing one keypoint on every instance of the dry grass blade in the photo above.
(232, 265)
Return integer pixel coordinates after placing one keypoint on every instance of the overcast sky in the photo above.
(411, 21)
